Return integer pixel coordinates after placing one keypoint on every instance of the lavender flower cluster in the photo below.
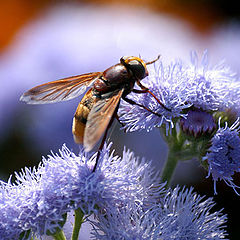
(198, 95)
(181, 214)
(180, 86)
(123, 193)
(40, 197)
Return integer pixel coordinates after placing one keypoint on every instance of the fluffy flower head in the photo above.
(211, 87)
(65, 181)
(179, 86)
(187, 215)
(180, 215)
(224, 154)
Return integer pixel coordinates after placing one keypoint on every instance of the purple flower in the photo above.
(180, 215)
(124, 223)
(179, 86)
(64, 182)
(224, 154)
(211, 87)
(197, 123)
(187, 215)
(17, 203)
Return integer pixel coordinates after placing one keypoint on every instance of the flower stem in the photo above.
(170, 166)
(77, 223)
(175, 142)
(59, 235)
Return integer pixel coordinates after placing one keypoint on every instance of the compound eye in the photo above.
(138, 69)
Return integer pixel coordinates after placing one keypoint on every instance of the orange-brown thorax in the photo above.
(115, 77)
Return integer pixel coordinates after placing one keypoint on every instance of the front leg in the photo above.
(141, 86)
(118, 119)
(146, 90)
(140, 105)
(140, 91)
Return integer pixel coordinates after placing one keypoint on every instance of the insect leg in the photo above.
(140, 91)
(122, 124)
(117, 117)
(101, 146)
(146, 90)
(140, 105)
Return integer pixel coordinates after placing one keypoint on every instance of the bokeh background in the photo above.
(41, 41)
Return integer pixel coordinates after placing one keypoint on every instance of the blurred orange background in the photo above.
(16, 13)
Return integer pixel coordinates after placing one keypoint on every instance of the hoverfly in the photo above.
(99, 105)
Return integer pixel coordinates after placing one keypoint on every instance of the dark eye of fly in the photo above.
(137, 69)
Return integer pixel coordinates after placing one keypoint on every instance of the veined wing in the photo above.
(99, 118)
(60, 90)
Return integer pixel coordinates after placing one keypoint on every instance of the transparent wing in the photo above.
(60, 90)
(99, 118)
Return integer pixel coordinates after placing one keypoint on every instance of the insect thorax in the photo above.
(114, 78)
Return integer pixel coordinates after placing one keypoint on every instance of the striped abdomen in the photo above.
(81, 115)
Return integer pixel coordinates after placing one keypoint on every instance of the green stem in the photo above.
(181, 150)
(77, 223)
(59, 235)
(175, 142)
(175, 154)
(170, 166)
(186, 155)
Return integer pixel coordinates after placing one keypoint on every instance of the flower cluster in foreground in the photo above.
(124, 194)
(40, 197)
(182, 214)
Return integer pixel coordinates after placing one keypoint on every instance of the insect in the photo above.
(98, 107)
